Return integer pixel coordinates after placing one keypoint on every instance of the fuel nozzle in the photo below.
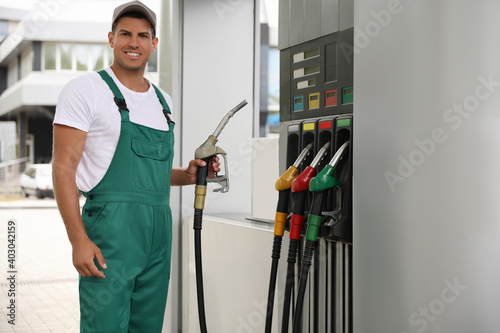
(318, 185)
(301, 183)
(283, 185)
(286, 179)
(325, 179)
(300, 186)
(207, 150)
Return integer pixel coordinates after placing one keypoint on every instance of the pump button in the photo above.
(314, 101)
(298, 103)
(331, 97)
(347, 95)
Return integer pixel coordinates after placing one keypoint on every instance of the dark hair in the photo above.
(133, 15)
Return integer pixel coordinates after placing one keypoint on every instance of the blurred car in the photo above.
(37, 180)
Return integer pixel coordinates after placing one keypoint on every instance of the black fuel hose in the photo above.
(201, 180)
(290, 276)
(281, 209)
(272, 282)
(304, 272)
(314, 220)
(295, 232)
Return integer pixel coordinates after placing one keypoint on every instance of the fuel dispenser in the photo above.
(316, 108)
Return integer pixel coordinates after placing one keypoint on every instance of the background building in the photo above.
(43, 45)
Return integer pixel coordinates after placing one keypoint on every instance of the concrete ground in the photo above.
(46, 281)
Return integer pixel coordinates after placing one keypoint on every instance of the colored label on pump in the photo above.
(293, 128)
(347, 95)
(331, 97)
(325, 124)
(343, 122)
(308, 127)
(298, 103)
(314, 101)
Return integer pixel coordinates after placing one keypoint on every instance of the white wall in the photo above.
(426, 180)
(218, 73)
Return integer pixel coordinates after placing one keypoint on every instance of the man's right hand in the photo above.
(84, 252)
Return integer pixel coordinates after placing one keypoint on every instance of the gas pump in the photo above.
(316, 42)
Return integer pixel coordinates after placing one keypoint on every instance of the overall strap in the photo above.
(166, 109)
(119, 100)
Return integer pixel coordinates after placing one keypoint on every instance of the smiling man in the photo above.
(113, 141)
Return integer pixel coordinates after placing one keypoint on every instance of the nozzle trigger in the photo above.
(223, 180)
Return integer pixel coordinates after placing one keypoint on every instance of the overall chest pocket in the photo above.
(152, 164)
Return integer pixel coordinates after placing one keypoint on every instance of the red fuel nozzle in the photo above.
(301, 183)
(300, 186)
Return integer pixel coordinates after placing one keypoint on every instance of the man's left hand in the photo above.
(192, 168)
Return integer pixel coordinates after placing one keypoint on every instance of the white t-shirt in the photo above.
(87, 103)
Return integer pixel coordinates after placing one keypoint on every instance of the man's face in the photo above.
(132, 43)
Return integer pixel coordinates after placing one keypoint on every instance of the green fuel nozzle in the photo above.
(325, 180)
(318, 185)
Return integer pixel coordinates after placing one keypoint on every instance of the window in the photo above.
(4, 28)
(66, 56)
(82, 56)
(97, 57)
(49, 55)
(153, 62)
(12, 73)
(26, 62)
(110, 55)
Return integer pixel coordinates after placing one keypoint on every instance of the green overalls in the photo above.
(127, 215)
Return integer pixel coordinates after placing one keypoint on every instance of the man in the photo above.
(113, 137)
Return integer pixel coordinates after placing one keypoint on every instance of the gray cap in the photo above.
(135, 6)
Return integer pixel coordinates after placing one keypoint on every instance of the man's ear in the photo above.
(155, 44)
(111, 40)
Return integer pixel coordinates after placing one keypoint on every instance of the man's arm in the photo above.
(187, 176)
(67, 152)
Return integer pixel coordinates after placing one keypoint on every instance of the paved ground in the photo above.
(47, 283)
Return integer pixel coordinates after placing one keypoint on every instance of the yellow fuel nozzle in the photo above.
(286, 179)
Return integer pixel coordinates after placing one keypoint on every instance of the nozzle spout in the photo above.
(303, 155)
(226, 118)
(319, 155)
(338, 155)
